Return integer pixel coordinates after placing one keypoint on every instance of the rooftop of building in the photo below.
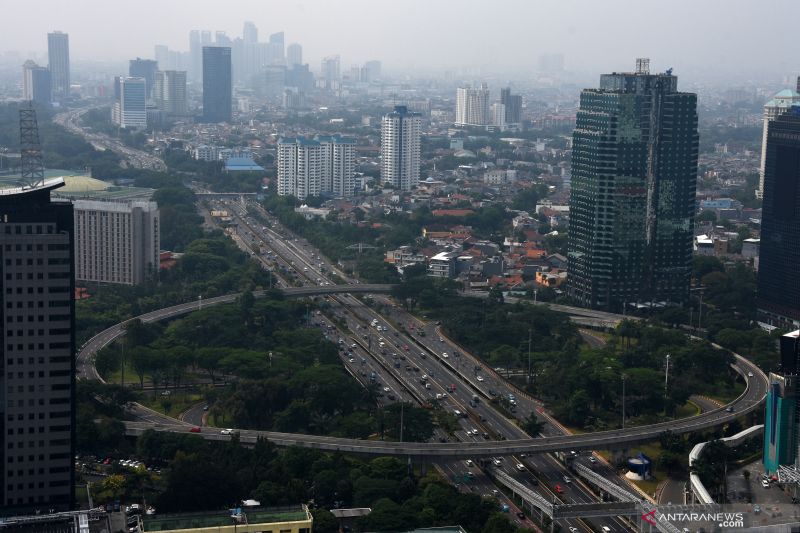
(82, 186)
(258, 515)
(242, 163)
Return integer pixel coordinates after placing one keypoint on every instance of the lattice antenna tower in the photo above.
(31, 160)
(642, 65)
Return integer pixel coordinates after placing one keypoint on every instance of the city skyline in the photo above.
(733, 44)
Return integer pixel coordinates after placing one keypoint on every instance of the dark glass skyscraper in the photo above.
(217, 84)
(513, 103)
(779, 253)
(58, 62)
(37, 372)
(634, 171)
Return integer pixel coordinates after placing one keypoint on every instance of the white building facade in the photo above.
(312, 167)
(472, 106)
(778, 105)
(401, 132)
(130, 109)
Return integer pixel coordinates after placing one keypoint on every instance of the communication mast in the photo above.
(642, 65)
(31, 162)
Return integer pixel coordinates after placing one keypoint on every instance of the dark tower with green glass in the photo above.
(632, 203)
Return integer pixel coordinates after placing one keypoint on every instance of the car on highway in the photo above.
(480, 378)
(352, 360)
(558, 489)
(749, 374)
(444, 354)
(573, 529)
(521, 515)
(765, 483)
(386, 389)
(520, 467)
(226, 432)
(469, 463)
(497, 461)
(567, 479)
(592, 459)
(195, 429)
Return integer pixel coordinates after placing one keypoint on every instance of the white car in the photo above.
(480, 378)
(386, 389)
(749, 374)
(444, 354)
(469, 463)
(352, 360)
(226, 432)
(497, 461)
(765, 483)
(592, 459)
(520, 467)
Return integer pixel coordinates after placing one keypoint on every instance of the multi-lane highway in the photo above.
(131, 157)
(453, 378)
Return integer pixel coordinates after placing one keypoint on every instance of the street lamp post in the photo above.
(529, 352)
(666, 376)
(623, 400)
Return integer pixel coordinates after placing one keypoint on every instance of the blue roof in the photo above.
(242, 163)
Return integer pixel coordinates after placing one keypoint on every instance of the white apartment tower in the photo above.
(170, 92)
(311, 167)
(400, 148)
(778, 105)
(116, 242)
(472, 106)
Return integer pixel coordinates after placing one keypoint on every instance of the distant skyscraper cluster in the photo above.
(401, 132)
(632, 202)
(313, 167)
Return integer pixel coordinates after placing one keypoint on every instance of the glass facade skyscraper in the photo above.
(632, 201)
(217, 84)
(58, 62)
(778, 280)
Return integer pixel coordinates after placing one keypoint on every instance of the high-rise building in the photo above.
(331, 70)
(294, 55)
(513, 103)
(130, 108)
(250, 32)
(632, 202)
(144, 68)
(161, 53)
(309, 167)
(170, 92)
(222, 39)
(373, 70)
(472, 106)
(37, 376)
(499, 116)
(196, 56)
(275, 50)
(116, 242)
(36, 83)
(781, 413)
(401, 131)
(217, 84)
(779, 250)
(778, 105)
(58, 63)
(300, 77)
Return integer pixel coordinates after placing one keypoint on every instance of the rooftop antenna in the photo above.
(642, 65)
(31, 162)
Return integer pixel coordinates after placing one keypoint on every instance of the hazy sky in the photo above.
(597, 35)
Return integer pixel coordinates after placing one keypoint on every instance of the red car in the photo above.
(559, 490)
(195, 430)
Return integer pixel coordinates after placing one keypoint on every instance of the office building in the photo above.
(400, 148)
(781, 414)
(498, 113)
(196, 56)
(170, 92)
(276, 53)
(217, 84)
(513, 103)
(312, 167)
(331, 71)
(300, 77)
(130, 109)
(161, 53)
(36, 83)
(294, 55)
(777, 105)
(373, 70)
(37, 414)
(779, 253)
(58, 63)
(144, 68)
(632, 201)
(293, 98)
(116, 242)
(472, 106)
(250, 32)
